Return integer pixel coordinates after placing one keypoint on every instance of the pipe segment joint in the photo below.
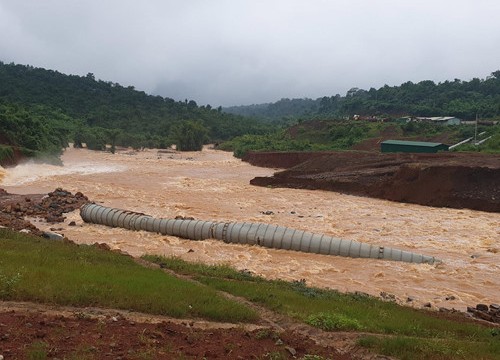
(267, 235)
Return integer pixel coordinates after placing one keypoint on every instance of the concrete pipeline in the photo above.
(271, 236)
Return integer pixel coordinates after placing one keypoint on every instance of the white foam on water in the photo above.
(30, 171)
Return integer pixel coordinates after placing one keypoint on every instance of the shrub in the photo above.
(8, 284)
(332, 321)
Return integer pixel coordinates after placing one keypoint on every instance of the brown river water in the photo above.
(213, 185)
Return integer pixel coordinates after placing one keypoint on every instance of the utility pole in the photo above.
(475, 132)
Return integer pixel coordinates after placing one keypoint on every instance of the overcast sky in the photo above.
(234, 52)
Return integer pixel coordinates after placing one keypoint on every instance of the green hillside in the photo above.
(41, 110)
(282, 111)
(463, 99)
(327, 123)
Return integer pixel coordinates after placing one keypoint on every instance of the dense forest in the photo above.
(42, 110)
(284, 111)
(462, 99)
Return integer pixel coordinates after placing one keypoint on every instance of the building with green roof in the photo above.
(412, 146)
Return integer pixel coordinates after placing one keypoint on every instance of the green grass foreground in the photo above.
(40, 270)
(406, 333)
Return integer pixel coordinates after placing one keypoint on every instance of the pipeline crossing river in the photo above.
(271, 236)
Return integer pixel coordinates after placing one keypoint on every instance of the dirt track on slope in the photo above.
(29, 330)
(455, 180)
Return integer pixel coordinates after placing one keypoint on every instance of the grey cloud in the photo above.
(226, 52)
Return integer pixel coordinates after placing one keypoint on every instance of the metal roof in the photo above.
(412, 143)
(438, 118)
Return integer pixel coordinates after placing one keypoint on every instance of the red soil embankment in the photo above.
(281, 160)
(458, 180)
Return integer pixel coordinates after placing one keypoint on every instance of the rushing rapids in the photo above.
(215, 186)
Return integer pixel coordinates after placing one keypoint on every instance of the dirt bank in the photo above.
(456, 180)
(282, 160)
(35, 332)
(15, 158)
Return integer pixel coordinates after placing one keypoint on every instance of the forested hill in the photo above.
(42, 109)
(463, 99)
(282, 110)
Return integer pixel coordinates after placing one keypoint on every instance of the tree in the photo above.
(95, 139)
(189, 136)
(79, 138)
(112, 135)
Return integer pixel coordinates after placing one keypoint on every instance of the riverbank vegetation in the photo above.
(46, 271)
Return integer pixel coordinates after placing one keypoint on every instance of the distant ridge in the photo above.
(462, 99)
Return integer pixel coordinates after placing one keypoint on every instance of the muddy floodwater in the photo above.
(212, 185)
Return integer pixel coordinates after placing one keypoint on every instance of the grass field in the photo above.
(36, 269)
(40, 270)
(397, 331)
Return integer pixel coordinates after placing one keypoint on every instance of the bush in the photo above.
(6, 153)
(95, 140)
(8, 284)
(332, 321)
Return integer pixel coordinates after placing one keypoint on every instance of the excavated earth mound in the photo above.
(457, 180)
(14, 208)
